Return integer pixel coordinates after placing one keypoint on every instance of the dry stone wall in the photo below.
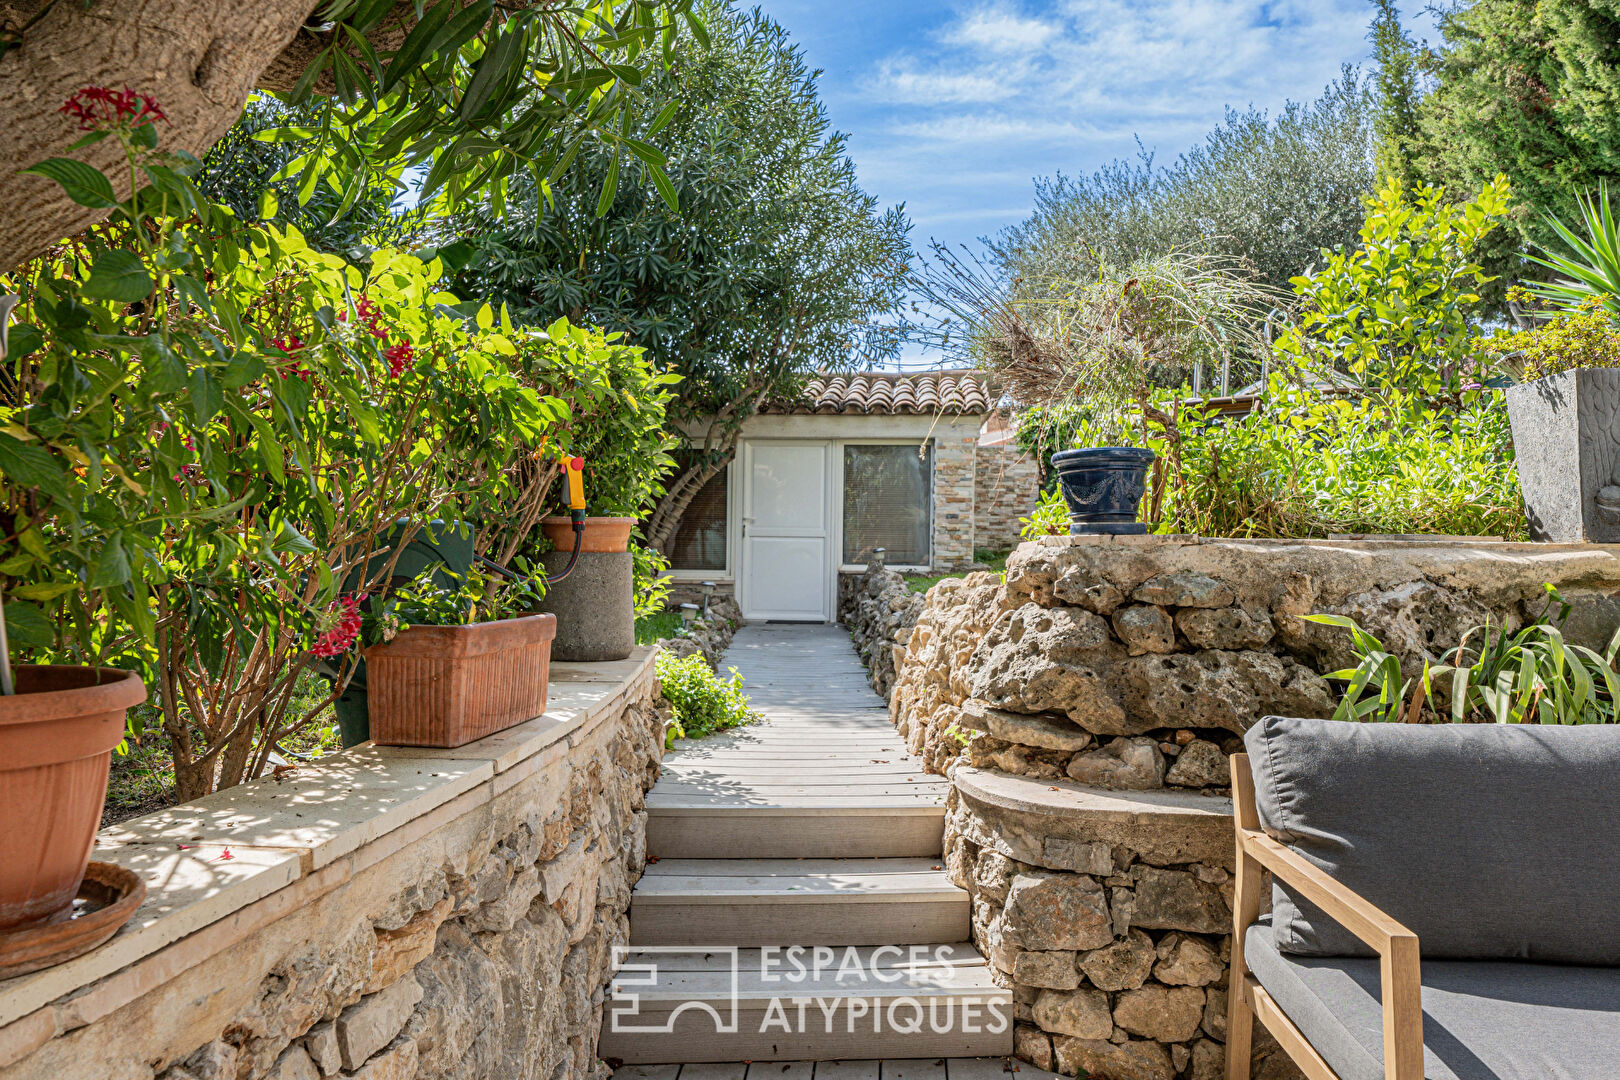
(471, 939)
(1085, 710)
(879, 609)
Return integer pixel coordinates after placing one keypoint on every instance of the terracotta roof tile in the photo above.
(887, 393)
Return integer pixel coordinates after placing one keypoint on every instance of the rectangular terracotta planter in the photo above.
(448, 685)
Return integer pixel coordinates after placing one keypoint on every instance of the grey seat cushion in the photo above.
(1482, 1019)
(1487, 841)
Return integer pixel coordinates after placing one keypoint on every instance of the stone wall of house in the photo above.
(954, 487)
(427, 914)
(1006, 485)
(1085, 710)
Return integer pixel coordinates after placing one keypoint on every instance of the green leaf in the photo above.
(206, 397)
(32, 467)
(111, 565)
(84, 184)
(418, 44)
(120, 276)
(27, 627)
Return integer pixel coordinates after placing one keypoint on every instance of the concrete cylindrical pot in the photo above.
(57, 735)
(1103, 487)
(1566, 444)
(595, 605)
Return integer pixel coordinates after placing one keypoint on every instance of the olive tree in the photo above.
(1270, 190)
(777, 263)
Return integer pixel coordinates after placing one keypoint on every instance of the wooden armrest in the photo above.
(1397, 947)
(1346, 907)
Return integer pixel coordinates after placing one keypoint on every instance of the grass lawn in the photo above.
(649, 628)
(995, 561)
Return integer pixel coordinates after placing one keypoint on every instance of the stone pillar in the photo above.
(1006, 487)
(954, 460)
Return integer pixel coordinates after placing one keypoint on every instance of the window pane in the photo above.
(887, 503)
(700, 539)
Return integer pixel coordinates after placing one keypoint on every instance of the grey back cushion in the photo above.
(1487, 841)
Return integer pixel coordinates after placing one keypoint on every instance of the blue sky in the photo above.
(954, 108)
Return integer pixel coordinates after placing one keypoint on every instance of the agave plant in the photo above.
(1593, 268)
(1532, 676)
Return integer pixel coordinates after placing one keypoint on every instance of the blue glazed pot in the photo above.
(1103, 487)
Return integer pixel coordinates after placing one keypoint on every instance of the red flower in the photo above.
(98, 108)
(398, 357)
(339, 633)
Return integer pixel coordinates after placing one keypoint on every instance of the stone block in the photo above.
(1048, 970)
(1033, 1045)
(1168, 1014)
(1200, 764)
(1123, 965)
(1134, 1059)
(1080, 1013)
(1044, 731)
(398, 1062)
(371, 1023)
(1187, 961)
(1122, 765)
(401, 949)
(293, 1064)
(1145, 628)
(1083, 857)
(1052, 911)
(1184, 588)
(321, 1043)
(1226, 628)
(1177, 900)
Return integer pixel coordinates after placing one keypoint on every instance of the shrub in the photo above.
(1583, 336)
(1308, 464)
(703, 702)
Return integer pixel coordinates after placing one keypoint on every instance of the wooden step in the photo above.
(762, 902)
(696, 827)
(736, 1005)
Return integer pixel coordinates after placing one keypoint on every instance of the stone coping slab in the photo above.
(1039, 821)
(1353, 542)
(1066, 799)
(204, 861)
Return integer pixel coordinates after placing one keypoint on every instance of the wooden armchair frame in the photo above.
(1397, 949)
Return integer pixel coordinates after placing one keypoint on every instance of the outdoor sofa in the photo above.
(1446, 900)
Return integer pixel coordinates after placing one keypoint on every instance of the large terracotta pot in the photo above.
(448, 685)
(602, 534)
(57, 736)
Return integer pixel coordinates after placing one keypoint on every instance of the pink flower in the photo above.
(398, 357)
(98, 108)
(339, 627)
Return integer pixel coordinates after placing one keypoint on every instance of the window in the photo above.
(700, 539)
(887, 503)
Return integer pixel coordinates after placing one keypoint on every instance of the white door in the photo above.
(785, 531)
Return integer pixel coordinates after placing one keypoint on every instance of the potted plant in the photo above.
(450, 665)
(1110, 343)
(1566, 442)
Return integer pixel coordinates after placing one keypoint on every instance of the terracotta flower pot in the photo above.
(602, 534)
(448, 685)
(57, 735)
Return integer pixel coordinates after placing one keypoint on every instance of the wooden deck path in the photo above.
(811, 828)
(893, 1069)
